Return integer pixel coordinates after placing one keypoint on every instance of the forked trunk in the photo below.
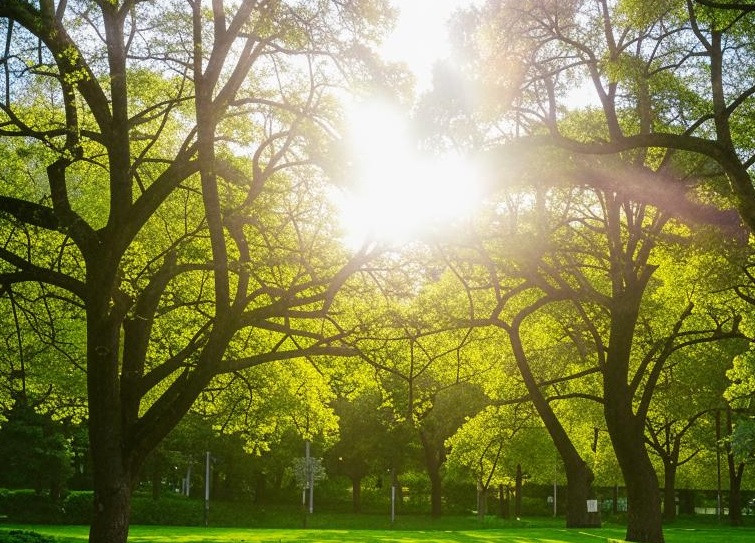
(627, 428)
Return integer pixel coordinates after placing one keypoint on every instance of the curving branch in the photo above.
(28, 272)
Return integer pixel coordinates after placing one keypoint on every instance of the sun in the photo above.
(398, 194)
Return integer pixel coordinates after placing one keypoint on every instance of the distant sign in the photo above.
(592, 506)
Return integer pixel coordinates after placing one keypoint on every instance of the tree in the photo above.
(660, 81)
(429, 390)
(630, 370)
(498, 268)
(593, 252)
(659, 87)
(35, 451)
(483, 447)
(430, 368)
(364, 424)
(690, 389)
(657, 81)
(165, 189)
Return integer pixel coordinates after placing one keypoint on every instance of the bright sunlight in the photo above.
(399, 193)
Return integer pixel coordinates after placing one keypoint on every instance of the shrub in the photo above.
(535, 507)
(19, 536)
(169, 510)
(77, 507)
(28, 506)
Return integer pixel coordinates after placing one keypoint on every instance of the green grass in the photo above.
(407, 530)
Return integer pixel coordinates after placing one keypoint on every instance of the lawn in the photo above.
(534, 531)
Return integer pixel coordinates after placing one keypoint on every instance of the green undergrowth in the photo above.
(24, 536)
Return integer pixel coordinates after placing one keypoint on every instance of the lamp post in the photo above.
(207, 489)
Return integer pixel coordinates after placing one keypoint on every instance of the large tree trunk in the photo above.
(112, 472)
(669, 491)
(625, 427)
(579, 476)
(735, 495)
(112, 507)
(644, 521)
(579, 489)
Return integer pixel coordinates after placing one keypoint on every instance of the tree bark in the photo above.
(112, 507)
(735, 501)
(112, 473)
(625, 427)
(579, 476)
(669, 491)
(356, 493)
(735, 496)
(436, 491)
(504, 494)
(434, 459)
(578, 490)
(482, 500)
(644, 521)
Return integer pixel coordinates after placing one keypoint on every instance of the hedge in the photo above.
(21, 536)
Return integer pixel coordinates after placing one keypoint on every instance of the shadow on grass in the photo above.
(419, 529)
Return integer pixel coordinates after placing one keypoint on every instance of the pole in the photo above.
(207, 489)
(311, 493)
(188, 480)
(718, 464)
(555, 497)
(393, 496)
(310, 483)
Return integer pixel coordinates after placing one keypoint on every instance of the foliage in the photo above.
(307, 471)
(167, 197)
(743, 438)
(28, 506)
(35, 452)
(24, 536)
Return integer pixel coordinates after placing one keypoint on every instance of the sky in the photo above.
(420, 36)
(394, 200)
